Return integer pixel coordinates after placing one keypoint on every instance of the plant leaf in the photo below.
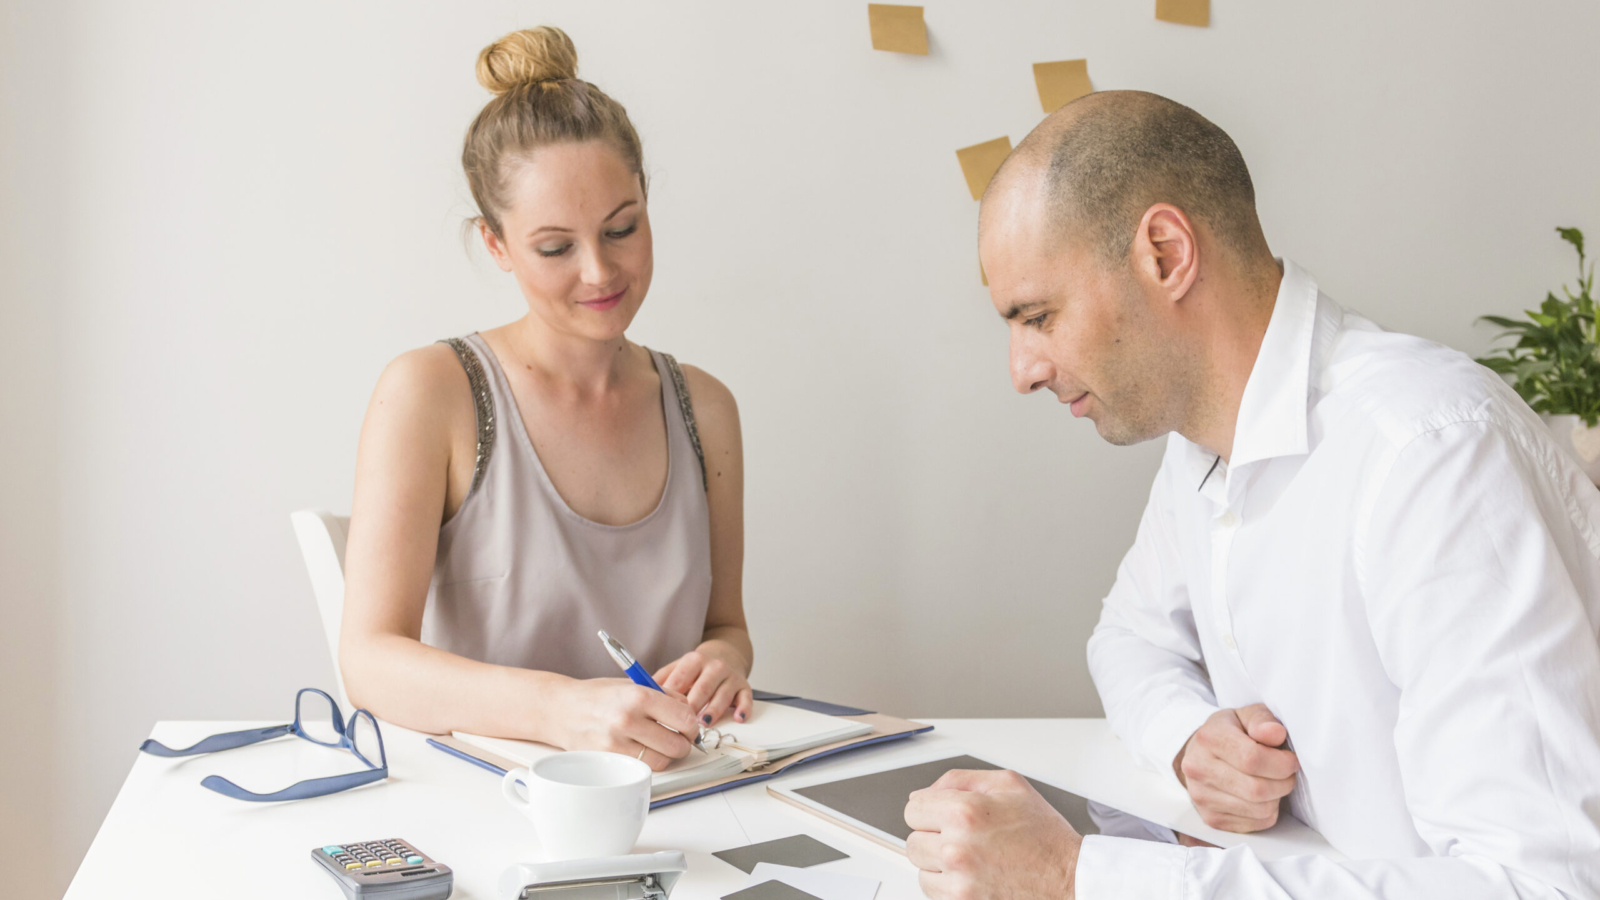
(1572, 236)
(1504, 322)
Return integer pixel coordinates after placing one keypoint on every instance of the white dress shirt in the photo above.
(1401, 565)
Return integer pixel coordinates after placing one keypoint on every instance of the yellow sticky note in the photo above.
(1185, 12)
(1061, 82)
(898, 29)
(980, 161)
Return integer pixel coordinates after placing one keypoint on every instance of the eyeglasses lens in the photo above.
(364, 738)
(316, 717)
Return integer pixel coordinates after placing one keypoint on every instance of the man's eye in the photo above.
(552, 251)
(1036, 321)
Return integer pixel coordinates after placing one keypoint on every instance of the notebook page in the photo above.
(780, 731)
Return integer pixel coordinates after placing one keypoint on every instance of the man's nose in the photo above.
(1029, 371)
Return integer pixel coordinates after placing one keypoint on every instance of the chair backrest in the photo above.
(322, 536)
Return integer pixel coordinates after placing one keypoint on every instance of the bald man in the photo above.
(1366, 584)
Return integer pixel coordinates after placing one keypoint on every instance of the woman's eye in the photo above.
(552, 251)
(623, 232)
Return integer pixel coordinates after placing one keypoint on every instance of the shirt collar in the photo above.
(1274, 409)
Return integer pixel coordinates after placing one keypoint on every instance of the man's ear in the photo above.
(1166, 251)
(496, 246)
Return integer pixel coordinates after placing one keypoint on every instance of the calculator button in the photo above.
(393, 860)
(413, 860)
(352, 865)
(373, 862)
(332, 851)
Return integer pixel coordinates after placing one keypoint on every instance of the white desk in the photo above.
(166, 836)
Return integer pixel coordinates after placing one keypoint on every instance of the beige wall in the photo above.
(30, 422)
(222, 219)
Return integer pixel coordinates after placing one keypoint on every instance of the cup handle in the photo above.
(508, 787)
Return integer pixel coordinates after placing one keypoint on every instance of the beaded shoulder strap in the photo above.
(482, 402)
(687, 407)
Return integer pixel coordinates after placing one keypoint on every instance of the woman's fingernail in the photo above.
(741, 715)
(706, 719)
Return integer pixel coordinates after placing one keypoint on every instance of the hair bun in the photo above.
(525, 57)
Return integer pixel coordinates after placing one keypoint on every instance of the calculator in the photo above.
(390, 869)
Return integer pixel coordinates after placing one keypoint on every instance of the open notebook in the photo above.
(774, 731)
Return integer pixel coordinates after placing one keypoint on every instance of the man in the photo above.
(1365, 581)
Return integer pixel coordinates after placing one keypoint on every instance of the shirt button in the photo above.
(1229, 519)
(1227, 640)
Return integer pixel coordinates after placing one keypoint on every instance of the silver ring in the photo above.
(641, 754)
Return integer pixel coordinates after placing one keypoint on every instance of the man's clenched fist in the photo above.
(1235, 770)
(990, 836)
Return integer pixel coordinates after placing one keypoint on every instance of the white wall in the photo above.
(221, 220)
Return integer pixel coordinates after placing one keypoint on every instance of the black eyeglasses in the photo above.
(317, 719)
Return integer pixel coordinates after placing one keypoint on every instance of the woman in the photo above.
(521, 488)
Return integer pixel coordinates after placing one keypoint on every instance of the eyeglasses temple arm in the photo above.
(313, 787)
(216, 742)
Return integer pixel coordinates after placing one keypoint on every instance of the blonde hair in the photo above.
(539, 100)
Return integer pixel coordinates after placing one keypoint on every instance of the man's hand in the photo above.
(989, 835)
(1234, 770)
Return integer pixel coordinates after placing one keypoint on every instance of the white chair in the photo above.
(322, 537)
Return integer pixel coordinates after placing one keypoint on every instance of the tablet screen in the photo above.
(879, 799)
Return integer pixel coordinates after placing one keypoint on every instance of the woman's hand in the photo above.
(618, 716)
(712, 677)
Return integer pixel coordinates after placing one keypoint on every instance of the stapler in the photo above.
(642, 876)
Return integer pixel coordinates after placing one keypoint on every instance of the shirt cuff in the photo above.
(1169, 730)
(1111, 868)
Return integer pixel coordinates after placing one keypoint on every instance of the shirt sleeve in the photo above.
(1478, 576)
(1145, 654)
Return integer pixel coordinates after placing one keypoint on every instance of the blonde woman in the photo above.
(523, 487)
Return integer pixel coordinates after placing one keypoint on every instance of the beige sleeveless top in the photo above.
(522, 580)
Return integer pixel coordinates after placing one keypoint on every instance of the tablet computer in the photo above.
(873, 804)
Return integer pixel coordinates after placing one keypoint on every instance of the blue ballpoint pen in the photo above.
(635, 672)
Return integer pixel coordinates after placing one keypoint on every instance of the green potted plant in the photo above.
(1555, 363)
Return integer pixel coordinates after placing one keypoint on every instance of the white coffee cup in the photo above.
(583, 803)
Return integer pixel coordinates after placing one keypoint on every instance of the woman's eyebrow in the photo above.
(624, 205)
